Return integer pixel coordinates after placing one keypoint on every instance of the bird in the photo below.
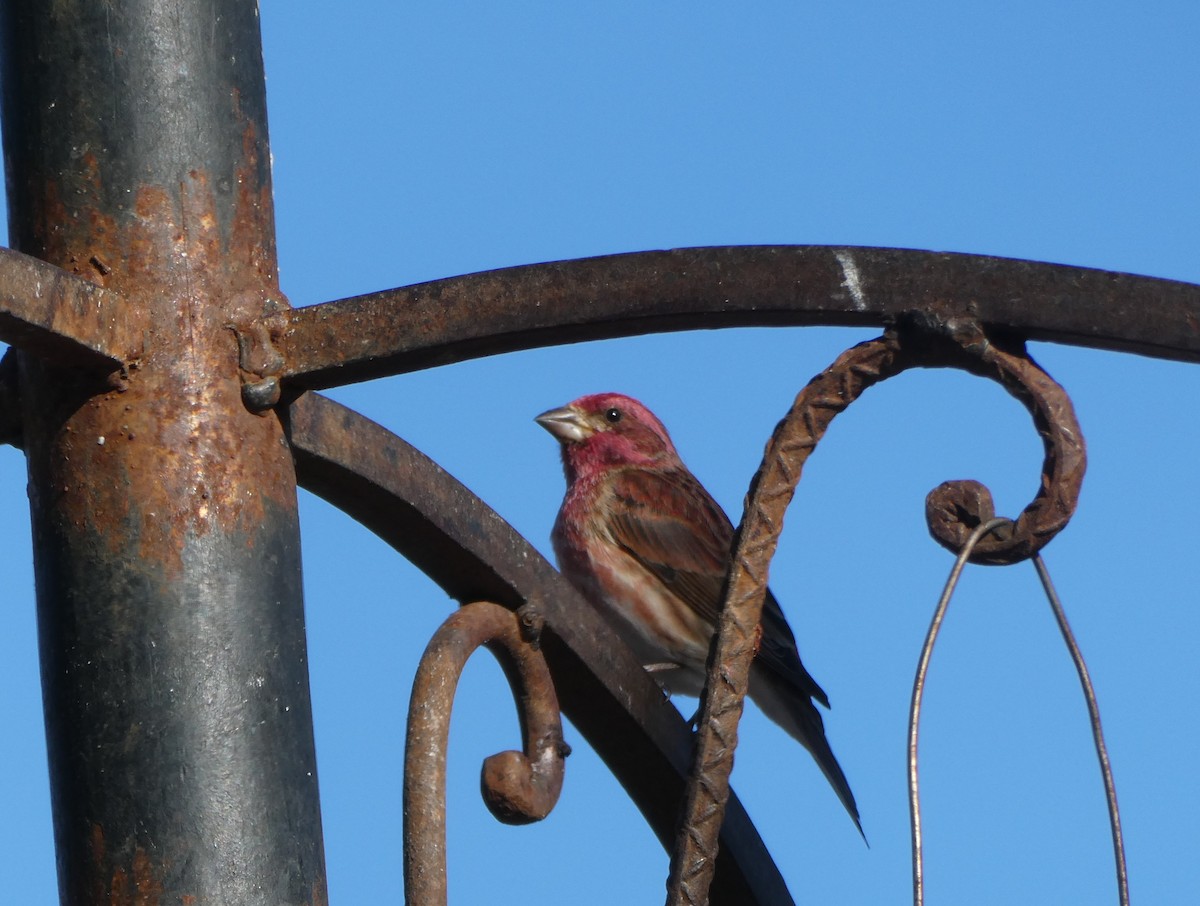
(647, 546)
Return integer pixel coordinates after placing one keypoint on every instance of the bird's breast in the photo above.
(658, 624)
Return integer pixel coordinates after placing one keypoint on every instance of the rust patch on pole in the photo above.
(182, 455)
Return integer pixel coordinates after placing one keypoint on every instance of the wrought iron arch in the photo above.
(158, 326)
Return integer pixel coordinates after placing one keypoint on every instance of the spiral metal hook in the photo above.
(955, 508)
(518, 787)
(953, 511)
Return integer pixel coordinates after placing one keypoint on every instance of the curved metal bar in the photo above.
(518, 787)
(931, 340)
(444, 321)
(460, 543)
(955, 508)
(61, 317)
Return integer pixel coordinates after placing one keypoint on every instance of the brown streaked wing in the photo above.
(670, 524)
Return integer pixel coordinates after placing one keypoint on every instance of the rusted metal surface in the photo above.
(166, 546)
(61, 317)
(934, 340)
(955, 508)
(153, 341)
(416, 507)
(467, 317)
(519, 787)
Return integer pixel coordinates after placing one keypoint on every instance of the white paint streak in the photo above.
(850, 279)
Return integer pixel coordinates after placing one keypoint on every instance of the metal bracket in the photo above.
(259, 362)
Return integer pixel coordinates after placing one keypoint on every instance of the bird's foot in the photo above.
(663, 667)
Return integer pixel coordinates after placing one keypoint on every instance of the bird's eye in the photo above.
(613, 416)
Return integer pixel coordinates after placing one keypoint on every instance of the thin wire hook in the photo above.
(914, 714)
(1089, 694)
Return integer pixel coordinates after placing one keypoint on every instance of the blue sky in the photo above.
(419, 140)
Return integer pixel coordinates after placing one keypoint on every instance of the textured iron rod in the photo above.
(955, 507)
(1093, 707)
(918, 693)
(771, 491)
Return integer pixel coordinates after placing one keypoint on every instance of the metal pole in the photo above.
(166, 540)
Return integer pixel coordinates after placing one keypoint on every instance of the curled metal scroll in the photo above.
(955, 508)
(518, 787)
(953, 511)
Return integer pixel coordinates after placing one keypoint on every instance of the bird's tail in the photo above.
(796, 713)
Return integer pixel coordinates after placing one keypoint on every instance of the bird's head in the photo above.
(606, 429)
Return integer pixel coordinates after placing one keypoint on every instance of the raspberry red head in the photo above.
(606, 429)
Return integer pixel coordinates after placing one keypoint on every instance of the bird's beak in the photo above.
(567, 424)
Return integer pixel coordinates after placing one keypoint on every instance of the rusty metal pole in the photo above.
(166, 540)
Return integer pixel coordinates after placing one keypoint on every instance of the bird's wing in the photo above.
(667, 522)
(670, 524)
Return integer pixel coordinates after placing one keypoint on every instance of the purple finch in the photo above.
(647, 545)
